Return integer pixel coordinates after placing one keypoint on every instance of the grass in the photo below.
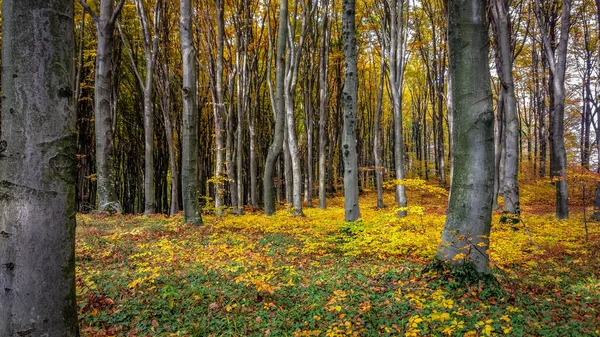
(318, 276)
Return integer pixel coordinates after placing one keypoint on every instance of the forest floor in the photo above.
(255, 275)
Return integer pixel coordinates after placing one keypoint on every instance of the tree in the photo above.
(279, 110)
(396, 64)
(37, 170)
(469, 217)
(103, 116)
(557, 63)
(323, 70)
(295, 51)
(502, 27)
(150, 41)
(351, 207)
(189, 151)
(219, 110)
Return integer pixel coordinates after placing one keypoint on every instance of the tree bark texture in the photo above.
(558, 63)
(276, 146)
(37, 170)
(502, 26)
(103, 105)
(323, 70)
(349, 101)
(189, 151)
(470, 206)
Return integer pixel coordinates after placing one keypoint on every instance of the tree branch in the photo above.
(116, 12)
(89, 10)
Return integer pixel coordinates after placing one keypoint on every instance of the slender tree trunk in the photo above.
(38, 170)
(349, 101)
(511, 133)
(309, 144)
(376, 135)
(557, 66)
(166, 110)
(252, 134)
(219, 112)
(276, 146)
(498, 135)
(103, 109)
(597, 195)
(323, 70)
(397, 42)
(470, 206)
(189, 147)
(294, 153)
(150, 43)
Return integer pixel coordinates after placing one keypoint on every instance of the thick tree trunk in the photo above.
(323, 70)
(349, 101)
(470, 206)
(276, 146)
(189, 146)
(37, 170)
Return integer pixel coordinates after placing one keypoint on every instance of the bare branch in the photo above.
(88, 9)
(116, 12)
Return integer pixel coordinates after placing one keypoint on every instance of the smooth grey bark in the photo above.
(502, 26)
(470, 205)
(557, 65)
(291, 80)
(150, 41)
(252, 133)
(37, 170)
(396, 66)
(230, 144)
(377, 133)
(165, 99)
(219, 112)
(323, 71)
(349, 102)
(278, 132)
(498, 136)
(103, 117)
(596, 215)
(189, 146)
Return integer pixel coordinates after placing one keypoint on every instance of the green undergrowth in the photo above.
(318, 276)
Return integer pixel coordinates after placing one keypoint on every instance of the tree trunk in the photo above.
(349, 101)
(103, 110)
(276, 146)
(557, 66)
(376, 135)
(219, 112)
(470, 205)
(597, 195)
(38, 170)
(189, 146)
(323, 70)
(511, 121)
(150, 44)
(396, 65)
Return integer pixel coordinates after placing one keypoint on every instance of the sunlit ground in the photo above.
(255, 275)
